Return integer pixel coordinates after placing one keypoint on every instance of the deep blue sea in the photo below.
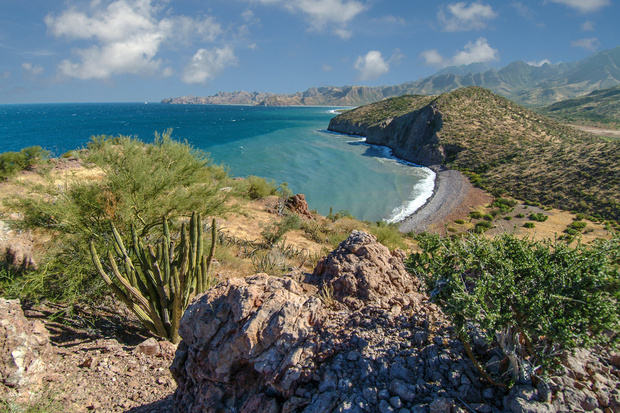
(286, 144)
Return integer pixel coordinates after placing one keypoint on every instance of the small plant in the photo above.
(274, 232)
(460, 222)
(538, 217)
(258, 188)
(529, 225)
(487, 217)
(505, 205)
(482, 227)
(13, 162)
(475, 214)
(578, 225)
(161, 279)
(519, 215)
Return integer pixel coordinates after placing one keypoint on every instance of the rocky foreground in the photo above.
(356, 336)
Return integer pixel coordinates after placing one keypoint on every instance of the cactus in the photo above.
(161, 279)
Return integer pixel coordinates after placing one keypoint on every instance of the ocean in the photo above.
(284, 144)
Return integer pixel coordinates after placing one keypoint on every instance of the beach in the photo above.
(453, 198)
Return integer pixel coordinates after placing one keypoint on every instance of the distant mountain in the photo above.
(598, 108)
(525, 84)
(503, 147)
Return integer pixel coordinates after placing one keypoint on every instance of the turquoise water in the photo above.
(286, 144)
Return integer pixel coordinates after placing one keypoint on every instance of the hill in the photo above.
(503, 147)
(525, 84)
(598, 108)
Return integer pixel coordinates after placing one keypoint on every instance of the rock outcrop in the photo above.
(368, 341)
(24, 347)
(412, 137)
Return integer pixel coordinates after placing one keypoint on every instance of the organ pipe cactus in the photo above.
(157, 282)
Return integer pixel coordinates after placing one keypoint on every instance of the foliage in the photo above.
(475, 214)
(142, 184)
(388, 235)
(529, 225)
(13, 162)
(482, 227)
(547, 295)
(343, 213)
(273, 233)
(505, 205)
(258, 188)
(161, 279)
(538, 217)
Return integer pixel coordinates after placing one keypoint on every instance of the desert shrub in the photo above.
(475, 214)
(529, 225)
(273, 233)
(519, 215)
(577, 225)
(258, 187)
(388, 235)
(487, 217)
(505, 205)
(460, 221)
(580, 216)
(482, 226)
(13, 162)
(544, 295)
(538, 217)
(343, 213)
(142, 183)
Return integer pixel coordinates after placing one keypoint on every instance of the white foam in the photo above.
(424, 190)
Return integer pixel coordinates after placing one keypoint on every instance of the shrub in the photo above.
(544, 295)
(505, 205)
(519, 215)
(538, 217)
(482, 226)
(460, 221)
(388, 235)
(487, 217)
(259, 188)
(274, 232)
(578, 225)
(13, 162)
(475, 214)
(528, 225)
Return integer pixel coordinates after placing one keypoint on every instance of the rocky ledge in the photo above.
(355, 336)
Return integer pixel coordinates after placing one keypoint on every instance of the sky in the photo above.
(148, 50)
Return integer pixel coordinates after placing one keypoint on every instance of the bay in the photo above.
(285, 144)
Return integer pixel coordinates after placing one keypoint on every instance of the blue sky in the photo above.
(147, 50)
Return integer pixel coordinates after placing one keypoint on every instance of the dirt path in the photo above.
(610, 133)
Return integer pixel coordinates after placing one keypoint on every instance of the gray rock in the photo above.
(440, 405)
(370, 394)
(395, 402)
(384, 407)
(403, 390)
(384, 395)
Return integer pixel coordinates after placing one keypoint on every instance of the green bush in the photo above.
(388, 235)
(142, 183)
(258, 188)
(538, 217)
(519, 215)
(274, 232)
(482, 226)
(528, 225)
(488, 217)
(578, 225)
(460, 221)
(475, 214)
(13, 162)
(544, 295)
(505, 205)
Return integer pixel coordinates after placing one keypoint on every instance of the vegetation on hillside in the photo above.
(528, 298)
(598, 108)
(508, 149)
(13, 162)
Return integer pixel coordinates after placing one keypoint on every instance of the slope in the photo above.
(500, 145)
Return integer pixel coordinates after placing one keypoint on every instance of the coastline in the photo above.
(453, 197)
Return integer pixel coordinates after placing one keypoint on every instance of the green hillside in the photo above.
(503, 147)
(598, 108)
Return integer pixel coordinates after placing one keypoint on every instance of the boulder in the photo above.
(24, 347)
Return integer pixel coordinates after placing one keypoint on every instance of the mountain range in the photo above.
(519, 81)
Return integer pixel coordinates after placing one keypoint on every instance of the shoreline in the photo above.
(452, 198)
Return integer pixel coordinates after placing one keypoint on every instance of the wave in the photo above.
(423, 190)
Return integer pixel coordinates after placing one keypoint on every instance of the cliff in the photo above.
(503, 147)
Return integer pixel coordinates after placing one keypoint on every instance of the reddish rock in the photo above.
(298, 205)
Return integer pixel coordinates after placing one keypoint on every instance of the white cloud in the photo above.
(125, 37)
(538, 63)
(32, 70)
(5, 75)
(371, 66)
(323, 14)
(327, 68)
(587, 26)
(584, 6)
(590, 44)
(462, 17)
(206, 64)
(392, 20)
(480, 51)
